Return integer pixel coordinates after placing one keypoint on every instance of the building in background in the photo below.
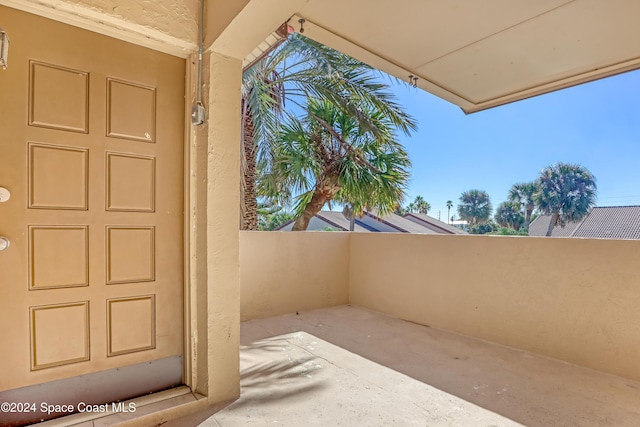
(603, 222)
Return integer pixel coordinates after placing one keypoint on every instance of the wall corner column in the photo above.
(223, 255)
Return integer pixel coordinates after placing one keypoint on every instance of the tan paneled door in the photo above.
(91, 152)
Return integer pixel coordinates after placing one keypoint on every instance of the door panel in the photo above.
(91, 149)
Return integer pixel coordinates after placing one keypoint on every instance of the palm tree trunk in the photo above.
(552, 223)
(321, 195)
(315, 205)
(527, 218)
(248, 196)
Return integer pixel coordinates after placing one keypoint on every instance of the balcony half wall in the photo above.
(571, 299)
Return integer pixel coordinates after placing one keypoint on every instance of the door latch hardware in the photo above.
(4, 194)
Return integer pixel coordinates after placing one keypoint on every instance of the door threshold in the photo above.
(152, 409)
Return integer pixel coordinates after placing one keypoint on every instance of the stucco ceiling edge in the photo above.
(111, 26)
(338, 42)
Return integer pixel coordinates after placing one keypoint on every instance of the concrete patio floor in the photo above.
(354, 367)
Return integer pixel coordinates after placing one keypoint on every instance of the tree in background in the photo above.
(272, 216)
(488, 227)
(327, 155)
(508, 215)
(566, 192)
(301, 68)
(524, 194)
(399, 210)
(507, 231)
(449, 206)
(419, 205)
(347, 212)
(475, 207)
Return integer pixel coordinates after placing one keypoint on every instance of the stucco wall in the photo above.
(576, 300)
(572, 299)
(169, 26)
(178, 18)
(283, 273)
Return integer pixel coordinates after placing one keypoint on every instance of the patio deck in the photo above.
(350, 366)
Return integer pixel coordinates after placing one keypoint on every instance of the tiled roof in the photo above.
(603, 222)
(374, 223)
(340, 220)
(611, 222)
(402, 224)
(429, 221)
(540, 225)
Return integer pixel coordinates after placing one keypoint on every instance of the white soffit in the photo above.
(480, 54)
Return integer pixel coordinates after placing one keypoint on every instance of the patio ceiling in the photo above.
(478, 55)
(475, 54)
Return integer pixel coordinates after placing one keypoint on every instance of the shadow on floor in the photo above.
(524, 387)
(337, 361)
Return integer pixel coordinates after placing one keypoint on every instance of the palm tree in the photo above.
(327, 155)
(419, 205)
(524, 194)
(508, 215)
(566, 192)
(298, 69)
(475, 207)
(449, 206)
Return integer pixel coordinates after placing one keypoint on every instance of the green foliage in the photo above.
(449, 206)
(419, 205)
(565, 191)
(484, 228)
(508, 215)
(271, 217)
(475, 207)
(327, 228)
(304, 74)
(506, 231)
(303, 69)
(297, 70)
(399, 210)
(524, 193)
(328, 151)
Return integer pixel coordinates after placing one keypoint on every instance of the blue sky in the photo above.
(596, 125)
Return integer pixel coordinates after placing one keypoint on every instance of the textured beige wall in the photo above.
(178, 18)
(169, 26)
(284, 272)
(571, 299)
(222, 208)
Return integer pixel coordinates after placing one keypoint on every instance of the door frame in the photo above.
(139, 35)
